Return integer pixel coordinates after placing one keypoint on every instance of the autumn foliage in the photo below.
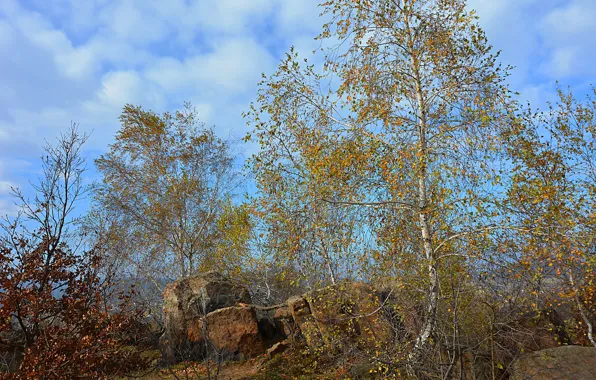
(56, 314)
(60, 318)
(400, 158)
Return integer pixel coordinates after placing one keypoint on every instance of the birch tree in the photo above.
(553, 191)
(404, 115)
(167, 181)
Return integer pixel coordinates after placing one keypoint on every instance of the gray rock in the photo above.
(565, 362)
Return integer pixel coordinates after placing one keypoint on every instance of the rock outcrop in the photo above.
(565, 362)
(189, 300)
(341, 315)
(211, 312)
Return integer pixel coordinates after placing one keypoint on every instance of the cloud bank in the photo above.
(81, 61)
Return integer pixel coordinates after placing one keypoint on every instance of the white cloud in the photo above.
(299, 17)
(73, 63)
(100, 112)
(122, 87)
(233, 66)
(510, 26)
(546, 40)
(538, 94)
(229, 16)
(7, 208)
(204, 110)
(5, 187)
(133, 21)
(122, 28)
(574, 19)
(561, 62)
(568, 32)
(73, 60)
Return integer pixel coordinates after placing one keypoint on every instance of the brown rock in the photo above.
(212, 291)
(186, 301)
(235, 331)
(284, 323)
(566, 362)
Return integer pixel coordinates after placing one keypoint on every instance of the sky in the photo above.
(81, 61)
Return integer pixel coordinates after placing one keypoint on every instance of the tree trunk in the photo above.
(582, 313)
(433, 288)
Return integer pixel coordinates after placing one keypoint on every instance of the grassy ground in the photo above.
(296, 363)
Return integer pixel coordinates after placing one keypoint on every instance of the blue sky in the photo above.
(82, 60)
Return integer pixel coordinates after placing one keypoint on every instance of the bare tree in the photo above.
(51, 290)
(49, 215)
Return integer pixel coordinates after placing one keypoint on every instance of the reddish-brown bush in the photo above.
(56, 313)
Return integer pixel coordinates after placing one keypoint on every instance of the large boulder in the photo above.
(565, 362)
(186, 301)
(234, 332)
(341, 315)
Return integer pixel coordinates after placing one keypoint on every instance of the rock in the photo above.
(284, 323)
(178, 349)
(235, 331)
(349, 313)
(342, 314)
(185, 302)
(303, 318)
(268, 331)
(212, 311)
(212, 291)
(566, 362)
